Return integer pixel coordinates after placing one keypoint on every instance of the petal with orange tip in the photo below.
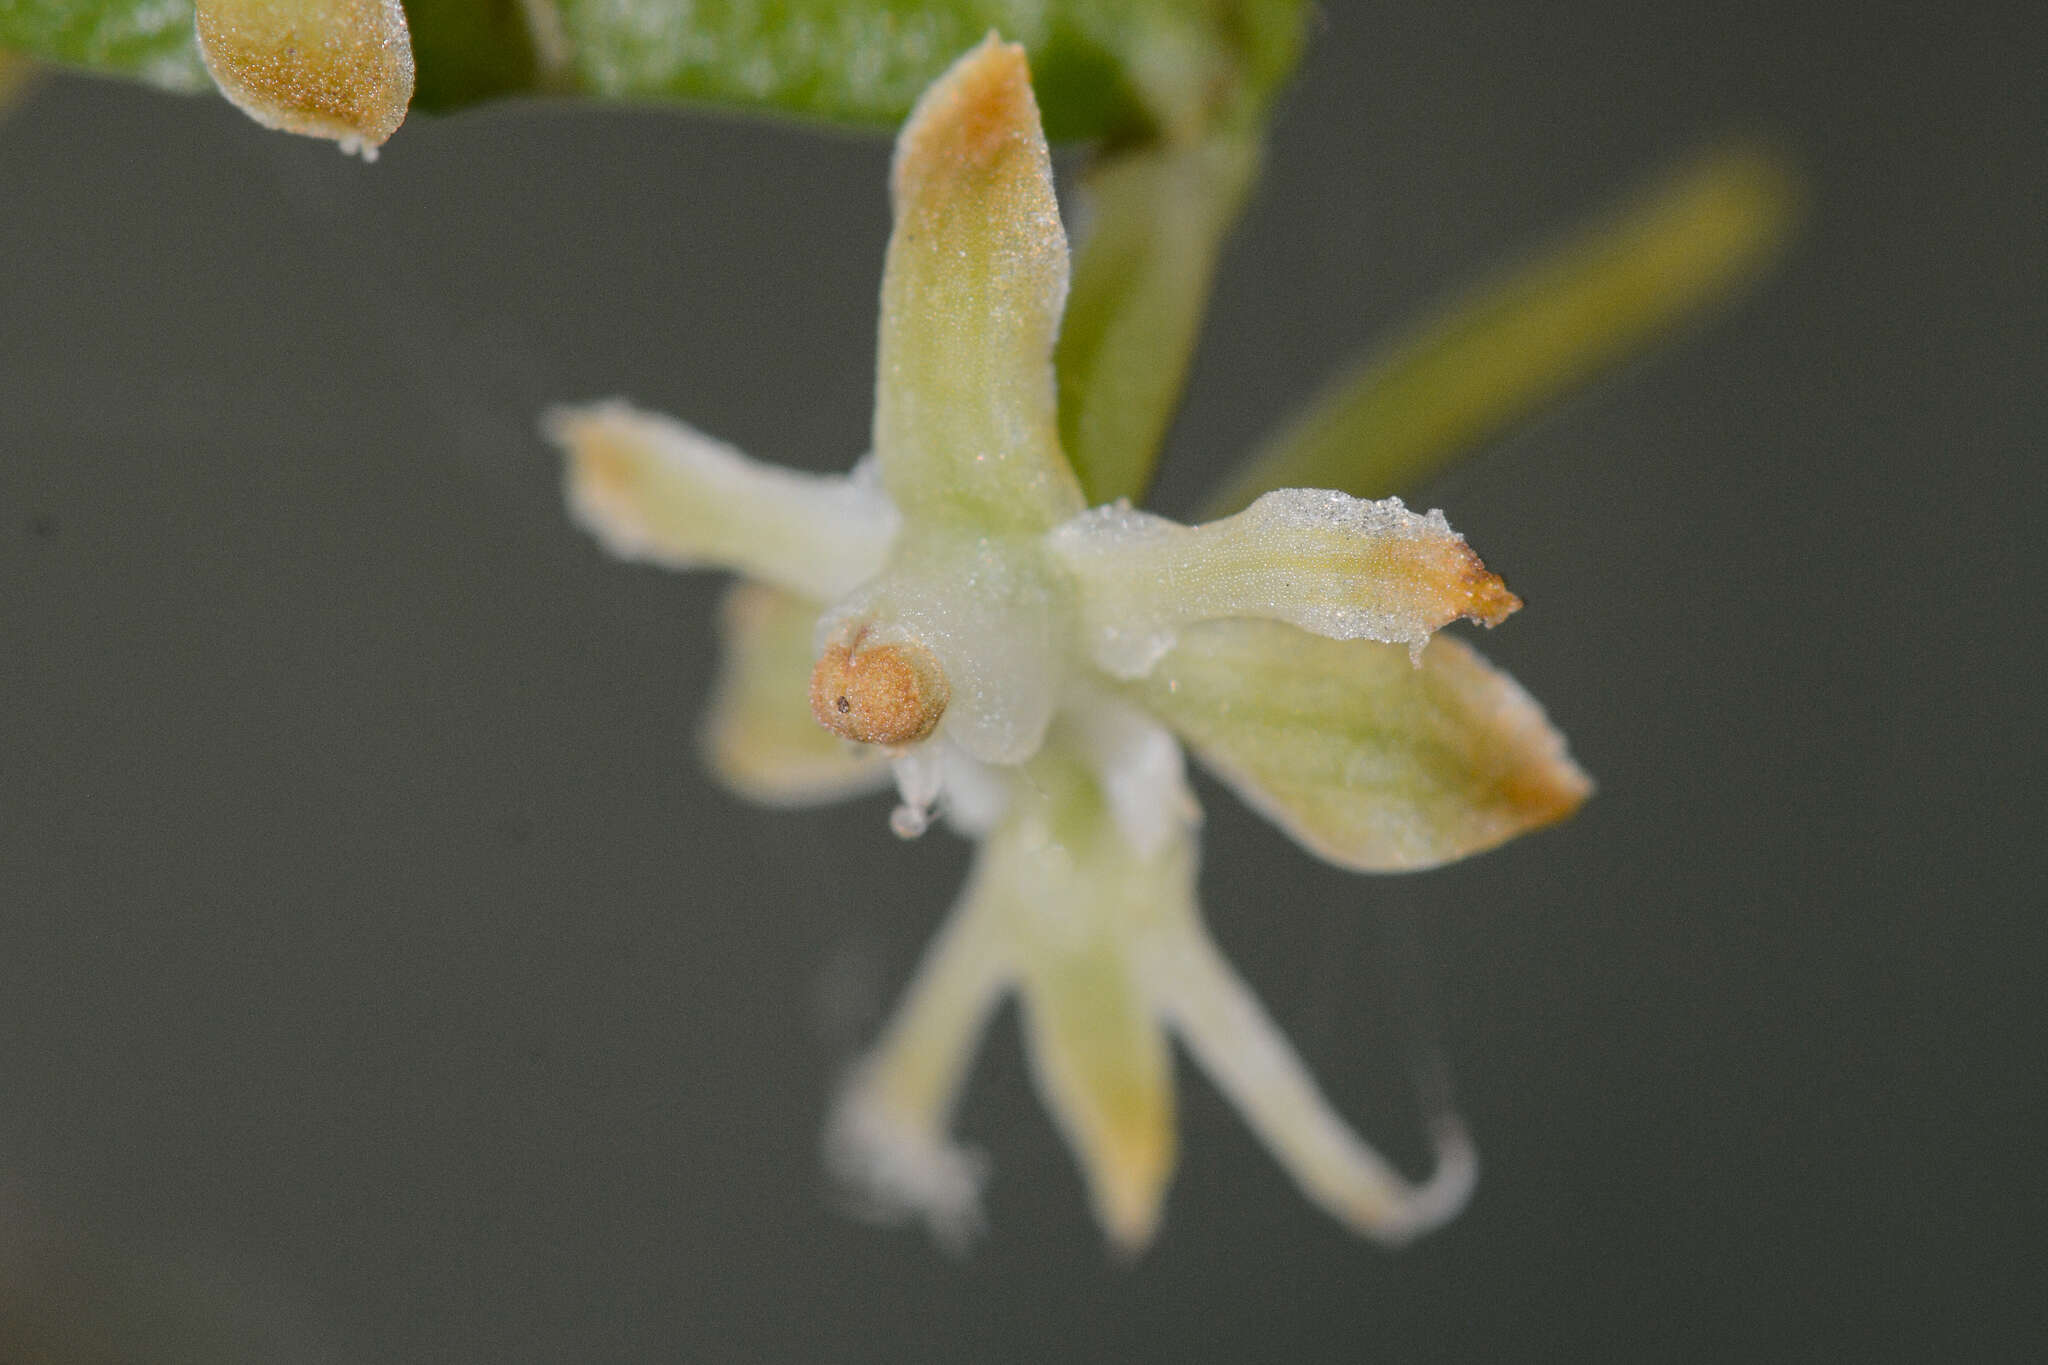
(1103, 1066)
(1364, 758)
(1324, 561)
(966, 427)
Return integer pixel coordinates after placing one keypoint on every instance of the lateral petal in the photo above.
(1321, 560)
(1252, 1063)
(1363, 757)
(1082, 901)
(1104, 1070)
(758, 733)
(966, 427)
(651, 488)
(889, 1140)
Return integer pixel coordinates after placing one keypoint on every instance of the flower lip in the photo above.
(891, 693)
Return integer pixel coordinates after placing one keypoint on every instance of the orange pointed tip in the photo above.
(973, 116)
(1458, 583)
(1546, 790)
(1487, 598)
(1130, 1194)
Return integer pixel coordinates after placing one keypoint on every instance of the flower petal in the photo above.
(1324, 561)
(1251, 1061)
(888, 1141)
(1105, 1071)
(1364, 758)
(650, 488)
(965, 422)
(759, 734)
(1139, 766)
(1081, 901)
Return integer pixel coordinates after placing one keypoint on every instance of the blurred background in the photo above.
(381, 978)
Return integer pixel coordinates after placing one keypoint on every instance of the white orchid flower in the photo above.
(952, 616)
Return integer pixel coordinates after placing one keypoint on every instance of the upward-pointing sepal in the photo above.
(966, 427)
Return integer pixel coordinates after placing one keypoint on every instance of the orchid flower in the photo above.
(952, 618)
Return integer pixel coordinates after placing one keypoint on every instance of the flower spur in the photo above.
(952, 617)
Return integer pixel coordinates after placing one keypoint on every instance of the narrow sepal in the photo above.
(1235, 1041)
(654, 489)
(889, 1141)
(1104, 1069)
(965, 422)
(1321, 560)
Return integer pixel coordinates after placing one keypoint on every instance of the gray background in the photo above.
(380, 976)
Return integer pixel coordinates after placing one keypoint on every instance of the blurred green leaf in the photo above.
(16, 71)
(149, 40)
(1101, 67)
(1152, 222)
(1507, 349)
(465, 51)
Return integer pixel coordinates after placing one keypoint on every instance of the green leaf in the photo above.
(16, 71)
(149, 40)
(1127, 68)
(1494, 356)
(1155, 216)
(470, 50)
(1101, 67)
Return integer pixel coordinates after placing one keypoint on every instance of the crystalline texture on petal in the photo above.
(339, 69)
(1324, 561)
